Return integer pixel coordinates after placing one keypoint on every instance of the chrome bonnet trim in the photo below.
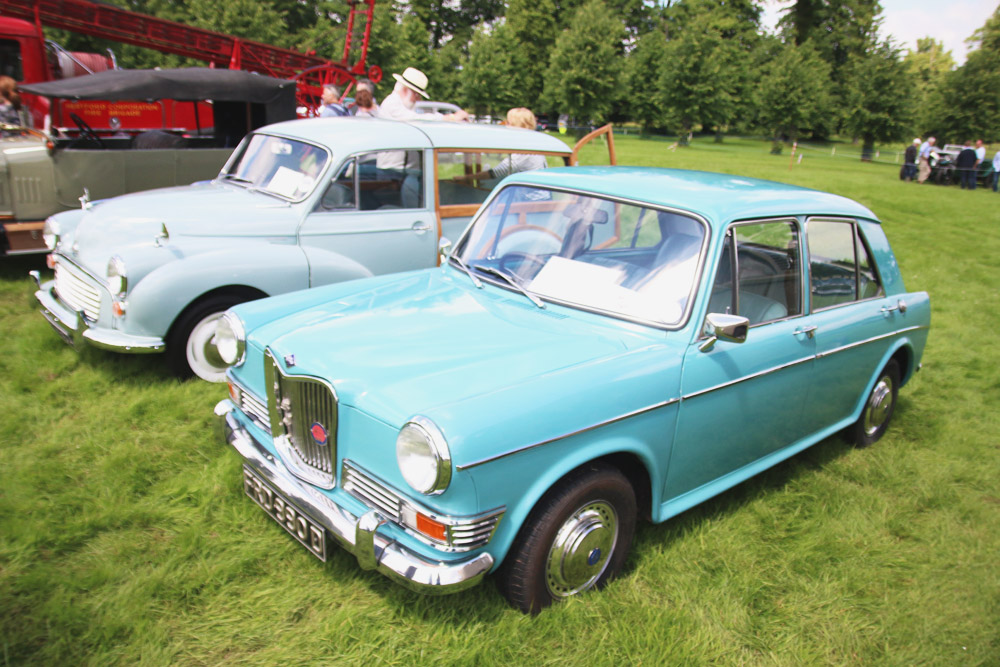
(518, 450)
(360, 536)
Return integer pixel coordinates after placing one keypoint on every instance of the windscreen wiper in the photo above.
(465, 267)
(486, 268)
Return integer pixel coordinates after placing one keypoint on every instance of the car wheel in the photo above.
(190, 346)
(576, 539)
(881, 403)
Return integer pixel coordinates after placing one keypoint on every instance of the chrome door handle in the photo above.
(420, 227)
(809, 331)
(900, 306)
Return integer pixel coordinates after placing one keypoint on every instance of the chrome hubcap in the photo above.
(202, 355)
(582, 549)
(879, 404)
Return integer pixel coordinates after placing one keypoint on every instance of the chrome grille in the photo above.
(298, 404)
(252, 406)
(75, 289)
(371, 493)
(462, 533)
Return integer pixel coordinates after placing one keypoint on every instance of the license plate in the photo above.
(310, 534)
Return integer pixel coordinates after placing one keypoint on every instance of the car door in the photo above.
(374, 210)
(854, 320)
(743, 402)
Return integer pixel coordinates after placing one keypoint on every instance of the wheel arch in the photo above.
(242, 292)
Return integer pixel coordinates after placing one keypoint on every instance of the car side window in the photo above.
(468, 177)
(340, 194)
(840, 267)
(390, 179)
(759, 272)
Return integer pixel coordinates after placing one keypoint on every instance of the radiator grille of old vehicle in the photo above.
(252, 406)
(303, 416)
(75, 290)
(463, 533)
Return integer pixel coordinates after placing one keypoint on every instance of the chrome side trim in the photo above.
(870, 340)
(360, 536)
(518, 450)
(752, 376)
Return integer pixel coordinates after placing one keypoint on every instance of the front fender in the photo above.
(326, 268)
(156, 301)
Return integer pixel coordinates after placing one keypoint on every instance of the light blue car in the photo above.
(299, 204)
(602, 344)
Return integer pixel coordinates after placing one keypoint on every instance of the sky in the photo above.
(948, 21)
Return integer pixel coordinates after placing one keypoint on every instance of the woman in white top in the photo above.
(513, 162)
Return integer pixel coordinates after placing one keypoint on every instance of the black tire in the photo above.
(576, 539)
(879, 406)
(189, 349)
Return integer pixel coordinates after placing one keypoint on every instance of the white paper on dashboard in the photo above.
(285, 182)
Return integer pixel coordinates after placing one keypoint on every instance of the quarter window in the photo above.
(840, 267)
(759, 274)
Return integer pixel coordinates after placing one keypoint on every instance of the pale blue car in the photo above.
(299, 204)
(602, 344)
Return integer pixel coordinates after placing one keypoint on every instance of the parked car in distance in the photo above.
(429, 106)
(42, 175)
(299, 204)
(602, 344)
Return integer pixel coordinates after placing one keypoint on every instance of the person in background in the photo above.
(370, 109)
(980, 156)
(965, 163)
(910, 160)
(364, 104)
(410, 86)
(331, 102)
(514, 162)
(925, 159)
(996, 170)
(10, 102)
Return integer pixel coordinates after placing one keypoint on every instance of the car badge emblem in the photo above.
(289, 360)
(318, 433)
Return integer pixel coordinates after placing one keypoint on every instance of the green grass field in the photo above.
(125, 537)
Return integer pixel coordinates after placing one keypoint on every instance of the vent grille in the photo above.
(254, 408)
(462, 533)
(76, 290)
(304, 422)
(371, 493)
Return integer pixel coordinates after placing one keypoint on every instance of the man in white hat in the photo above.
(410, 86)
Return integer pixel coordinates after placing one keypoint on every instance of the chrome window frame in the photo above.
(858, 237)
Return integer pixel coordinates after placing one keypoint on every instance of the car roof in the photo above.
(352, 135)
(720, 198)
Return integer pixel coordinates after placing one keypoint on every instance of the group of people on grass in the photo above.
(918, 157)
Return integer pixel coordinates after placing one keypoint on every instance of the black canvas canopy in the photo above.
(189, 84)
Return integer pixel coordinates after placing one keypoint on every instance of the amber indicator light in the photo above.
(431, 528)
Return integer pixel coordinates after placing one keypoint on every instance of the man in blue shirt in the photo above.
(331, 102)
(925, 159)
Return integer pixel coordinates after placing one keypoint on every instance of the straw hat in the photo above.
(413, 79)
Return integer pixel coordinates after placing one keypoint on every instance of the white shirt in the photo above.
(516, 162)
(980, 154)
(996, 162)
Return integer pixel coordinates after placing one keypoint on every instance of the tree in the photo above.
(642, 77)
(878, 105)
(928, 67)
(703, 76)
(838, 29)
(967, 105)
(532, 25)
(791, 95)
(585, 69)
(493, 79)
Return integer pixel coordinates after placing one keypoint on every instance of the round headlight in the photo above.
(117, 278)
(50, 233)
(230, 339)
(423, 457)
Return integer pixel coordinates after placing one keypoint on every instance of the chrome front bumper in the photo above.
(74, 328)
(360, 536)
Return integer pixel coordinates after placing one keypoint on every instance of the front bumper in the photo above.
(74, 328)
(360, 536)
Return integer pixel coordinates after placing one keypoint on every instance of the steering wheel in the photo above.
(534, 262)
(86, 131)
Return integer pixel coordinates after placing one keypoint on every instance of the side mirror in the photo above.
(444, 249)
(730, 328)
